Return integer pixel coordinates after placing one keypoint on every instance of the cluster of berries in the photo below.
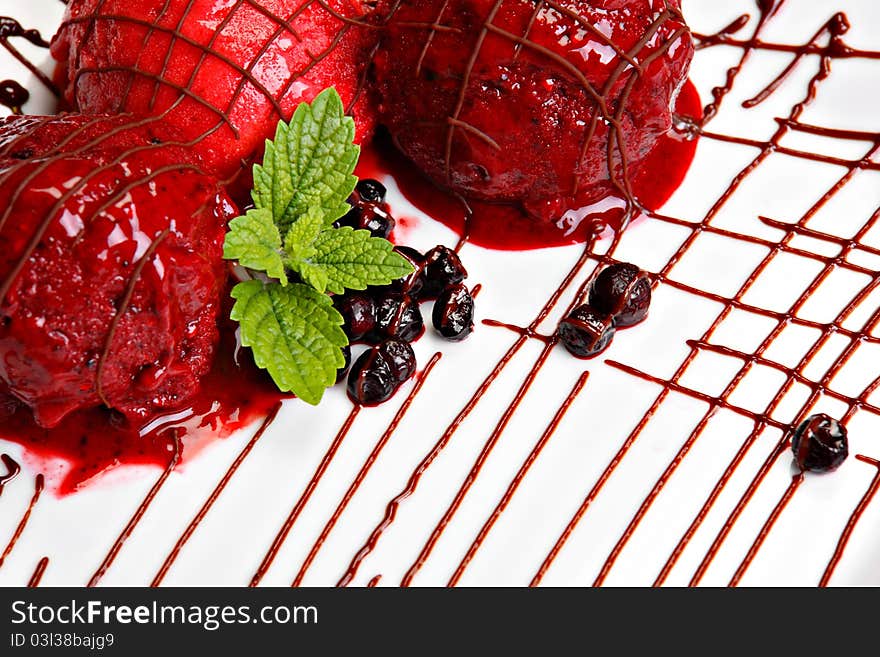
(389, 318)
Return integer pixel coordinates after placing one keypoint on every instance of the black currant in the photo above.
(359, 312)
(442, 268)
(371, 191)
(586, 332)
(370, 381)
(415, 282)
(624, 292)
(397, 316)
(454, 313)
(374, 218)
(820, 444)
(400, 358)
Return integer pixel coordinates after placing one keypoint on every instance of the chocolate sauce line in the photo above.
(139, 512)
(696, 230)
(442, 442)
(365, 469)
(212, 498)
(519, 478)
(821, 75)
(13, 469)
(845, 536)
(39, 484)
(304, 498)
(865, 164)
(477, 467)
(500, 427)
(815, 391)
(11, 28)
(841, 51)
(37, 577)
(766, 11)
(796, 482)
(828, 329)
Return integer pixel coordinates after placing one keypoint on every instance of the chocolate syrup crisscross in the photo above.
(819, 387)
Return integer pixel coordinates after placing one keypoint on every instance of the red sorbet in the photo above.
(111, 265)
(222, 71)
(539, 104)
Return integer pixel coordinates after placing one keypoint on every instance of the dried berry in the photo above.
(400, 359)
(820, 444)
(397, 316)
(622, 291)
(586, 332)
(370, 381)
(454, 313)
(359, 312)
(415, 282)
(375, 218)
(442, 268)
(371, 191)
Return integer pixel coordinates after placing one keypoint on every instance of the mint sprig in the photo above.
(309, 164)
(300, 190)
(254, 240)
(295, 334)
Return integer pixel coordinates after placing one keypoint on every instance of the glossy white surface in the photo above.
(75, 532)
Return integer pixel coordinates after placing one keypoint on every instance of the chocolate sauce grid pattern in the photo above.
(732, 517)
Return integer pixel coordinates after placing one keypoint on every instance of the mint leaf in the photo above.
(309, 164)
(337, 259)
(353, 259)
(299, 243)
(300, 248)
(295, 333)
(255, 242)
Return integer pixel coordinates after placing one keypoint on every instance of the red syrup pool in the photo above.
(90, 442)
(661, 174)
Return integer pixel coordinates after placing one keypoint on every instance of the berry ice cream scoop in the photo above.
(223, 72)
(111, 268)
(551, 105)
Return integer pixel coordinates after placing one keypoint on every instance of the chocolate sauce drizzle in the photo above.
(828, 43)
(834, 30)
(139, 512)
(213, 497)
(363, 472)
(39, 484)
(37, 577)
(12, 94)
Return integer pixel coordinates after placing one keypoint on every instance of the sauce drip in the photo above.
(92, 441)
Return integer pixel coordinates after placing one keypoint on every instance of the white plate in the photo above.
(77, 531)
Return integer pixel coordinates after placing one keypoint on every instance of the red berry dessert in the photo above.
(224, 73)
(111, 265)
(551, 105)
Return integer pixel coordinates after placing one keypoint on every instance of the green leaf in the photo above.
(343, 258)
(255, 242)
(299, 243)
(309, 164)
(295, 333)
